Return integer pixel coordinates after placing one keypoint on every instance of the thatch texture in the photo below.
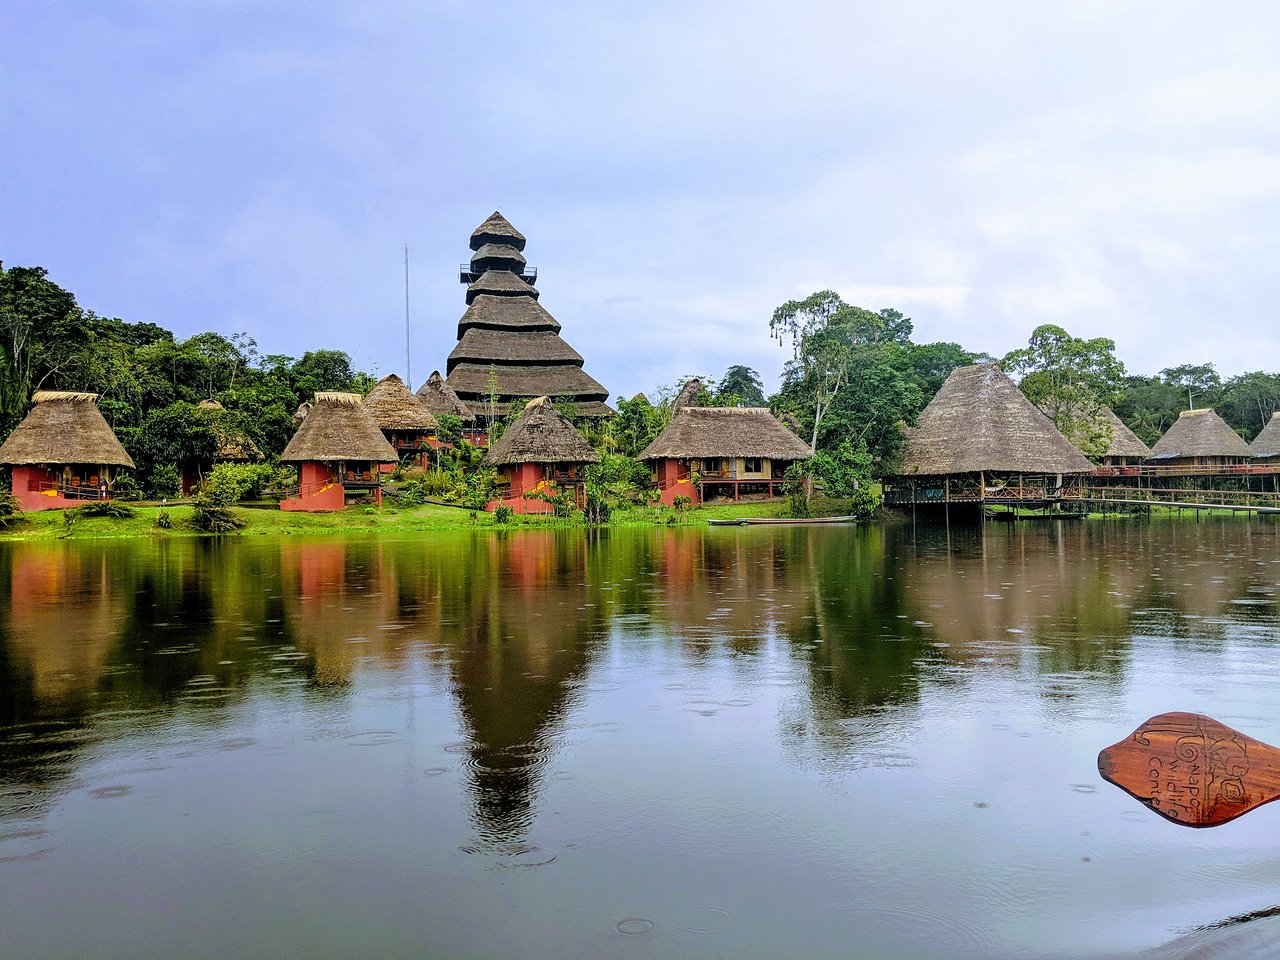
(501, 283)
(439, 398)
(980, 420)
(541, 434)
(498, 256)
(234, 445)
(210, 405)
(394, 406)
(1199, 433)
(301, 413)
(1267, 443)
(518, 313)
(497, 229)
(581, 408)
(507, 347)
(64, 427)
(1124, 442)
(725, 432)
(338, 427)
(471, 380)
(688, 394)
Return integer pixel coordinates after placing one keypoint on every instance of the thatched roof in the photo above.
(64, 427)
(210, 405)
(480, 345)
(338, 428)
(688, 394)
(471, 380)
(497, 253)
(1124, 442)
(393, 406)
(1267, 443)
(519, 313)
(497, 229)
(541, 434)
(233, 443)
(501, 283)
(301, 413)
(1199, 433)
(725, 432)
(980, 420)
(439, 398)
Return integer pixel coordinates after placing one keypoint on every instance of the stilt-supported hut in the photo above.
(981, 441)
(1199, 443)
(726, 451)
(440, 399)
(1126, 451)
(509, 347)
(408, 425)
(1266, 445)
(338, 450)
(234, 445)
(63, 452)
(540, 453)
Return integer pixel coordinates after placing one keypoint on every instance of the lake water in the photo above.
(854, 742)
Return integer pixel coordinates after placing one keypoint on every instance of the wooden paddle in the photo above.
(1193, 770)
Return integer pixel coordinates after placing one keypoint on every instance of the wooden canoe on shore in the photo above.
(745, 521)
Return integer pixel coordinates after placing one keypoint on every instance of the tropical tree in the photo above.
(743, 384)
(1072, 380)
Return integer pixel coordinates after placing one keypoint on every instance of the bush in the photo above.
(163, 520)
(435, 485)
(166, 482)
(450, 428)
(210, 517)
(10, 510)
(115, 509)
(503, 514)
(228, 483)
(126, 488)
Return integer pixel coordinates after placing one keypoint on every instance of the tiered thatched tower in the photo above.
(508, 345)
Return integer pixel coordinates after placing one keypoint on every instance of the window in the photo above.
(752, 465)
(711, 465)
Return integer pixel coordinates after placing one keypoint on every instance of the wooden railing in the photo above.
(75, 491)
(1226, 499)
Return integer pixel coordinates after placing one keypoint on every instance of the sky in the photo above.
(680, 169)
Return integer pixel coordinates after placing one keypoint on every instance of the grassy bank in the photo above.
(57, 524)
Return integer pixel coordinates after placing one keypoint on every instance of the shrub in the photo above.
(10, 510)
(116, 509)
(210, 517)
(166, 481)
(230, 482)
(126, 488)
(163, 520)
(503, 514)
(681, 504)
(450, 428)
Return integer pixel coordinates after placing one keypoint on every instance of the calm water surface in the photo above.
(839, 742)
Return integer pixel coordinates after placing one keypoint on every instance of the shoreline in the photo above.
(262, 521)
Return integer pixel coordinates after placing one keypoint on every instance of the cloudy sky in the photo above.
(679, 168)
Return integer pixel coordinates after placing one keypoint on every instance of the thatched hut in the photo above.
(233, 445)
(338, 450)
(540, 453)
(738, 451)
(1266, 445)
(509, 347)
(1126, 451)
(403, 419)
(63, 452)
(301, 413)
(981, 441)
(1199, 442)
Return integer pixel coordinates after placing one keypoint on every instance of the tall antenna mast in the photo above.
(408, 368)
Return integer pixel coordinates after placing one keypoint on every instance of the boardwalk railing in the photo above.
(1249, 500)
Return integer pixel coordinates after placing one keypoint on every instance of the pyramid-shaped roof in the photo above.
(541, 434)
(496, 229)
(338, 427)
(507, 334)
(725, 432)
(440, 398)
(394, 406)
(980, 420)
(1124, 442)
(1199, 433)
(64, 427)
(1267, 443)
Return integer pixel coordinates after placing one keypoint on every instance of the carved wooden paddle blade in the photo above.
(1193, 770)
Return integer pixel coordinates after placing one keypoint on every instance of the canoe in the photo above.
(744, 521)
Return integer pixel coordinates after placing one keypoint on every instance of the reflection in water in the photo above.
(846, 646)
